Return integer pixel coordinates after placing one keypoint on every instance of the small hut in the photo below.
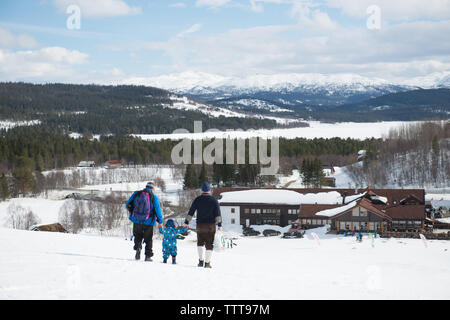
(54, 227)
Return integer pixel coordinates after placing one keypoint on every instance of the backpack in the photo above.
(143, 206)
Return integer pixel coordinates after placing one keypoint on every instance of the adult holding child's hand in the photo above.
(208, 215)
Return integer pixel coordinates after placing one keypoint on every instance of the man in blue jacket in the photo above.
(208, 215)
(145, 211)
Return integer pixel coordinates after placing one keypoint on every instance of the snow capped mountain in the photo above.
(280, 89)
(276, 93)
(431, 81)
(200, 82)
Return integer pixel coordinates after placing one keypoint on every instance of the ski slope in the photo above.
(41, 265)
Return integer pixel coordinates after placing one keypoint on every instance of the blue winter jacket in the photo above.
(151, 221)
(170, 234)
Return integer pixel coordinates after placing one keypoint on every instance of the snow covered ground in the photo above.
(67, 266)
(47, 210)
(315, 130)
(9, 124)
(294, 180)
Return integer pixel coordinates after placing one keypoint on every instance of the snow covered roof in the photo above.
(349, 199)
(379, 198)
(361, 202)
(271, 196)
(334, 211)
(275, 196)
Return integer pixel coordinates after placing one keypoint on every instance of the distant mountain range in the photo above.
(293, 88)
(322, 97)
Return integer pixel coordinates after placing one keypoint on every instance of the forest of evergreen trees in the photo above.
(108, 109)
(27, 151)
(414, 155)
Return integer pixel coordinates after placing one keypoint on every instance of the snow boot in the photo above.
(200, 263)
(208, 265)
(138, 254)
(148, 258)
(165, 260)
(174, 260)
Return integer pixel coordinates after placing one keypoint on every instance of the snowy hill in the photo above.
(180, 102)
(68, 266)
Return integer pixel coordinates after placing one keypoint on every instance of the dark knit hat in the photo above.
(206, 187)
(170, 223)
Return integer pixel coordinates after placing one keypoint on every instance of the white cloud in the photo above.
(397, 51)
(99, 8)
(46, 63)
(12, 41)
(255, 6)
(396, 10)
(211, 3)
(310, 17)
(196, 27)
(178, 5)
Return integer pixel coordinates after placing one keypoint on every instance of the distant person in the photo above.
(169, 245)
(208, 215)
(360, 235)
(145, 211)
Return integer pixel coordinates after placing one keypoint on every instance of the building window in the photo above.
(233, 210)
(246, 210)
(258, 211)
(233, 221)
(355, 212)
(253, 211)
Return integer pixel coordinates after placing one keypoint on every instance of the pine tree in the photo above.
(4, 189)
(24, 180)
(306, 172)
(190, 178)
(202, 177)
(435, 146)
(217, 175)
(318, 174)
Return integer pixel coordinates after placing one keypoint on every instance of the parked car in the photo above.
(248, 231)
(271, 233)
(73, 195)
(295, 231)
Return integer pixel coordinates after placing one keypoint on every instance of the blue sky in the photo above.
(122, 40)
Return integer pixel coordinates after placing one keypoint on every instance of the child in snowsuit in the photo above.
(170, 233)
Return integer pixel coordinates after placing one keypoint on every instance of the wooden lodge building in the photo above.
(343, 209)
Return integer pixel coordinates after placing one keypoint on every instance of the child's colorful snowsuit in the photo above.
(169, 247)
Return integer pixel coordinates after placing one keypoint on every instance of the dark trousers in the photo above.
(141, 232)
(205, 235)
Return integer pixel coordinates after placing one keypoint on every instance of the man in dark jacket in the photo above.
(208, 215)
(143, 228)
